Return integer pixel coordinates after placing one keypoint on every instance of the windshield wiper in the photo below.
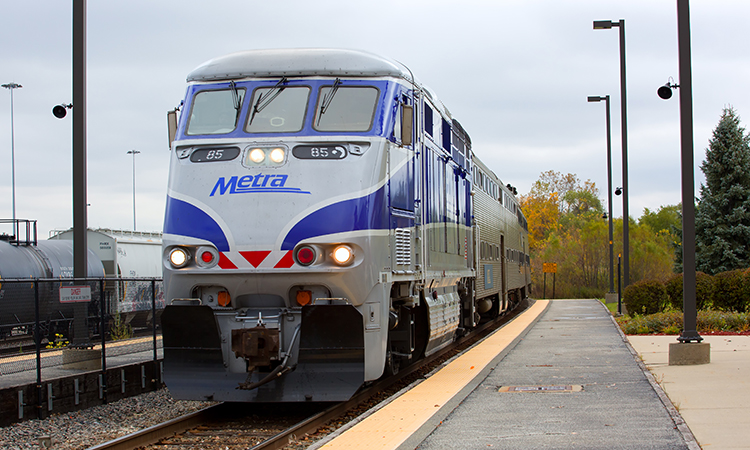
(266, 99)
(328, 98)
(236, 101)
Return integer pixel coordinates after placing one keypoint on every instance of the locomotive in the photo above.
(327, 222)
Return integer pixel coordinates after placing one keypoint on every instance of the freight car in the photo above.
(127, 254)
(327, 221)
(114, 256)
(42, 259)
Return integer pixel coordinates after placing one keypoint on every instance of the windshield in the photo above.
(283, 112)
(346, 108)
(214, 112)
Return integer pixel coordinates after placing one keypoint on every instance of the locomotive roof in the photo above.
(298, 62)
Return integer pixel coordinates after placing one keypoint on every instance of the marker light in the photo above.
(179, 257)
(277, 155)
(303, 297)
(305, 255)
(257, 155)
(206, 257)
(223, 298)
(343, 255)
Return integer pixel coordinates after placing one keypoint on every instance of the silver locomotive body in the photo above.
(318, 228)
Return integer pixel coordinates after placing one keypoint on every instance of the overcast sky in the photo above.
(516, 74)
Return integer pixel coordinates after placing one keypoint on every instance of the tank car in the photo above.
(42, 259)
(326, 222)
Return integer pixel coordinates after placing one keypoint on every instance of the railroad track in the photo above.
(270, 427)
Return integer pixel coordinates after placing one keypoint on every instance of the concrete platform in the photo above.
(714, 399)
(566, 379)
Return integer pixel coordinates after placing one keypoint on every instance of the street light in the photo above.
(133, 152)
(10, 86)
(689, 307)
(609, 192)
(605, 25)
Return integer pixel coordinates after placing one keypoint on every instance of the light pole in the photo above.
(609, 191)
(10, 86)
(605, 25)
(689, 349)
(133, 152)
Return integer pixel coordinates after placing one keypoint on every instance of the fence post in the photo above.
(153, 325)
(102, 331)
(38, 341)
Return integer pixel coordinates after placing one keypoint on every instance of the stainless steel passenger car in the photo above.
(323, 226)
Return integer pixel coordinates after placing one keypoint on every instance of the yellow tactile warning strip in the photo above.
(390, 426)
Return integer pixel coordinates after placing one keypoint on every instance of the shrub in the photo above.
(670, 322)
(730, 291)
(663, 323)
(713, 321)
(704, 290)
(673, 287)
(645, 297)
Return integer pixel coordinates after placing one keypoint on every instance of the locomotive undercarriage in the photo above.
(319, 362)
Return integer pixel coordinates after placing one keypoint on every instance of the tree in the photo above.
(666, 223)
(665, 219)
(542, 214)
(722, 221)
(555, 182)
(566, 227)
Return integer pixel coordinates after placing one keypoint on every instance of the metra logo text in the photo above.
(254, 184)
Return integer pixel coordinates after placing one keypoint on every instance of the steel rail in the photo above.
(154, 434)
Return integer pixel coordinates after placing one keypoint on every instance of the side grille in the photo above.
(403, 246)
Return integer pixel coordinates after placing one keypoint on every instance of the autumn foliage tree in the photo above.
(566, 227)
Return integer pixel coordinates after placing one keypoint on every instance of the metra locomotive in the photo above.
(326, 222)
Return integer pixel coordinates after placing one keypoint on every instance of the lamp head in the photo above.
(665, 92)
(618, 191)
(60, 111)
(602, 24)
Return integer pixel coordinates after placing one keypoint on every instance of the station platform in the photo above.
(17, 371)
(561, 375)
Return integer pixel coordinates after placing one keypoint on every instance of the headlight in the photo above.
(277, 155)
(265, 156)
(257, 155)
(343, 255)
(179, 257)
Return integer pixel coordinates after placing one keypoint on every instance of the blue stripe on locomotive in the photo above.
(182, 218)
(368, 212)
(363, 213)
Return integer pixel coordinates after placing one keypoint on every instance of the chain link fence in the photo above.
(47, 325)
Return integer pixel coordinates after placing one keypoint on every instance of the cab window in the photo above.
(345, 108)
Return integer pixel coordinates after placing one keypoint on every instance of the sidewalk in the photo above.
(713, 399)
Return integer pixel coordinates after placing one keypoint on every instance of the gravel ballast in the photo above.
(86, 428)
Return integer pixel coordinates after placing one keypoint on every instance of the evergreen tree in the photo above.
(722, 222)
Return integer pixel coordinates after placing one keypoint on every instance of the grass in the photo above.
(611, 306)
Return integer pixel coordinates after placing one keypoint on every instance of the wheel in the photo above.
(392, 364)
